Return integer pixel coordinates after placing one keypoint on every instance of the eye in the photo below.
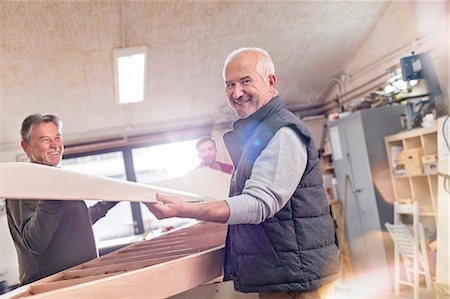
(230, 85)
(246, 81)
(45, 139)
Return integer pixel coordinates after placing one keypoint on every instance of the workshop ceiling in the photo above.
(56, 56)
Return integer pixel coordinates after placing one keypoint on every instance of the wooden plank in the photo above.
(42, 288)
(138, 258)
(217, 182)
(17, 293)
(114, 268)
(132, 253)
(58, 184)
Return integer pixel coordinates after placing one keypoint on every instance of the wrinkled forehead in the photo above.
(243, 63)
(44, 128)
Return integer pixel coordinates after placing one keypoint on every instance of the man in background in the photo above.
(50, 235)
(207, 152)
(280, 240)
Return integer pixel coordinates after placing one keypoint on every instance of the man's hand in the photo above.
(167, 206)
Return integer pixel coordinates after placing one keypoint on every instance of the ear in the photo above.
(272, 81)
(25, 147)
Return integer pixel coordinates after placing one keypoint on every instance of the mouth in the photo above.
(242, 100)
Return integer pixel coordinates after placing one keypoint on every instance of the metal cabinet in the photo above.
(364, 186)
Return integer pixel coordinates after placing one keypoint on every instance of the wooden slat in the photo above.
(159, 281)
(42, 288)
(138, 258)
(115, 268)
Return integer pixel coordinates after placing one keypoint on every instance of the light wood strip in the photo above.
(138, 258)
(159, 281)
(116, 268)
(132, 253)
(42, 288)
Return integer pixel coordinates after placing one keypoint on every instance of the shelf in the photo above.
(411, 134)
(427, 214)
(418, 188)
(414, 176)
(401, 177)
(404, 201)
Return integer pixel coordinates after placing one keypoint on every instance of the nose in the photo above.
(53, 143)
(237, 92)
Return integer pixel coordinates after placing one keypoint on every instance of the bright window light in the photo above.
(390, 89)
(130, 74)
(396, 83)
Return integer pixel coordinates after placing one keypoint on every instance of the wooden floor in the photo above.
(226, 291)
(366, 292)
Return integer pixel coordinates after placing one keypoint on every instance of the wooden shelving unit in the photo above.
(417, 187)
(415, 194)
(326, 160)
(327, 168)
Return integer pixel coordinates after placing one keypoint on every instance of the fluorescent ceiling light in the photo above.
(130, 74)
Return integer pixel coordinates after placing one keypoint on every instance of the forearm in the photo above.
(173, 206)
(100, 209)
(214, 211)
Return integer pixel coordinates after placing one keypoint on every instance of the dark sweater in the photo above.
(52, 235)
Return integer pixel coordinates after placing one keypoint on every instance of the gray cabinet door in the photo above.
(363, 228)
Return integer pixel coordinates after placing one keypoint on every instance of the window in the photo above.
(163, 162)
(130, 74)
(396, 83)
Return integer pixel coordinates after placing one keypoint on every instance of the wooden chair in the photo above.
(411, 249)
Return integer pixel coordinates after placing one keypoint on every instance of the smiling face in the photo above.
(246, 89)
(45, 145)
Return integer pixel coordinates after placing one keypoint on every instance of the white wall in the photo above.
(8, 256)
(11, 153)
(315, 126)
(9, 268)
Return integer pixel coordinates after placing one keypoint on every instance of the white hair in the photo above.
(264, 66)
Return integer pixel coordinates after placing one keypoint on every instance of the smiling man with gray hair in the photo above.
(280, 240)
(50, 235)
